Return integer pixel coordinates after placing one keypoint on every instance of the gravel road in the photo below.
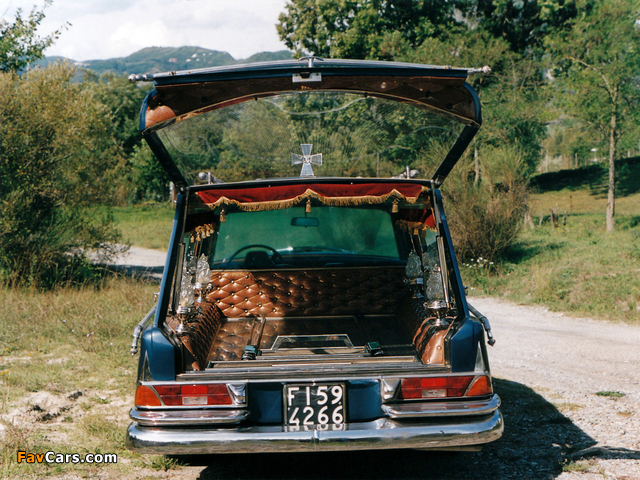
(589, 370)
(137, 262)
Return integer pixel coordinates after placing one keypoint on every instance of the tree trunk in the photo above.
(528, 220)
(611, 195)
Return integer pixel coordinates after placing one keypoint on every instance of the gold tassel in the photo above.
(308, 207)
(394, 208)
(223, 217)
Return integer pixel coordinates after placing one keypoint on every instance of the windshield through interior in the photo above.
(327, 236)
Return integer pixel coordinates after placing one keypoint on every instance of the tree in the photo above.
(140, 175)
(19, 43)
(597, 61)
(355, 29)
(123, 100)
(55, 160)
(358, 28)
(505, 34)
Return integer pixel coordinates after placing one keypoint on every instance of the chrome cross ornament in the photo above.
(306, 159)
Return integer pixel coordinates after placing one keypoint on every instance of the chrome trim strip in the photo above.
(379, 434)
(441, 409)
(187, 417)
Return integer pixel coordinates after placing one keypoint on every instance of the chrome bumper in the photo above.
(384, 433)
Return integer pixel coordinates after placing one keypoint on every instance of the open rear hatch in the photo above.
(362, 116)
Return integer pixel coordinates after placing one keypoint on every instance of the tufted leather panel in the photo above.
(312, 292)
(198, 341)
(238, 296)
(207, 329)
(231, 340)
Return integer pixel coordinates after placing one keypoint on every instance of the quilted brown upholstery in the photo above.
(238, 296)
(313, 292)
(198, 341)
(206, 330)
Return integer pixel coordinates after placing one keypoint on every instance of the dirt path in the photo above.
(143, 257)
(138, 262)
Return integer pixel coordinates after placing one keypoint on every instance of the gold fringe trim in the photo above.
(310, 194)
(202, 232)
(412, 226)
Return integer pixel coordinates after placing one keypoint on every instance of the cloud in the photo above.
(116, 28)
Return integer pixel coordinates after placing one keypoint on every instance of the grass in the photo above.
(146, 225)
(72, 346)
(611, 394)
(577, 467)
(578, 269)
(568, 406)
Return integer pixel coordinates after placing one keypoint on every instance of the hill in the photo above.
(164, 59)
(584, 190)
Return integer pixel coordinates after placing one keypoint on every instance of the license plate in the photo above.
(314, 405)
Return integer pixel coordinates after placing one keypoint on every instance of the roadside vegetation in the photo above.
(146, 225)
(69, 139)
(575, 266)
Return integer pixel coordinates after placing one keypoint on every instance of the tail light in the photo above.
(481, 385)
(182, 395)
(445, 387)
(147, 397)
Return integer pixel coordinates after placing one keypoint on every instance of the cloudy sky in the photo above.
(102, 29)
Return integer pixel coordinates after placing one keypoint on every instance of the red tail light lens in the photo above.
(423, 388)
(190, 395)
(445, 387)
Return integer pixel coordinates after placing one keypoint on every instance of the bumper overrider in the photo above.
(444, 425)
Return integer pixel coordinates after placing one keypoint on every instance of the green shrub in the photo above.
(55, 159)
(486, 218)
